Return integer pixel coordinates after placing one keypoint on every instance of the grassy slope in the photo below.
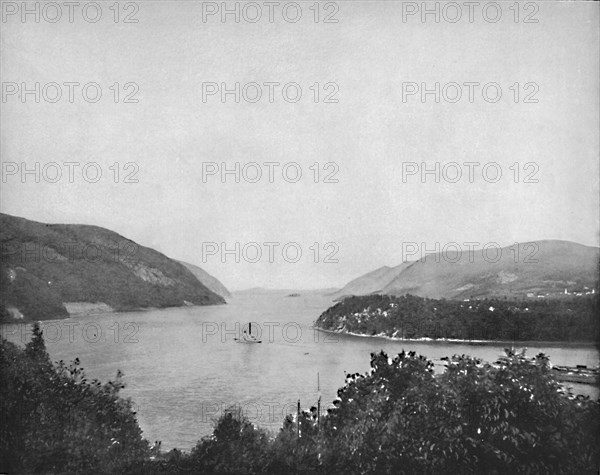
(374, 281)
(560, 265)
(208, 280)
(44, 265)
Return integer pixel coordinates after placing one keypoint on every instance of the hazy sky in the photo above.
(368, 134)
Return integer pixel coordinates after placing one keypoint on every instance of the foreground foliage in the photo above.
(54, 420)
(502, 418)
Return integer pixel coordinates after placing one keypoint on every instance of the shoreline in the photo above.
(462, 341)
(101, 314)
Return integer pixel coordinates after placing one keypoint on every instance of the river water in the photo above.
(183, 367)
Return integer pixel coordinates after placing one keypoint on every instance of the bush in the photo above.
(510, 417)
(56, 421)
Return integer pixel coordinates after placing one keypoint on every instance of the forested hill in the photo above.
(44, 266)
(567, 319)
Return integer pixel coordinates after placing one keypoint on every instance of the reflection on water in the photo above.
(183, 367)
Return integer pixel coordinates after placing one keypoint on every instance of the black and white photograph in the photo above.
(300, 237)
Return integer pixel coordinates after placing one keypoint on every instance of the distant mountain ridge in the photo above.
(372, 282)
(208, 280)
(44, 266)
(263, 290)
(537, 268)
